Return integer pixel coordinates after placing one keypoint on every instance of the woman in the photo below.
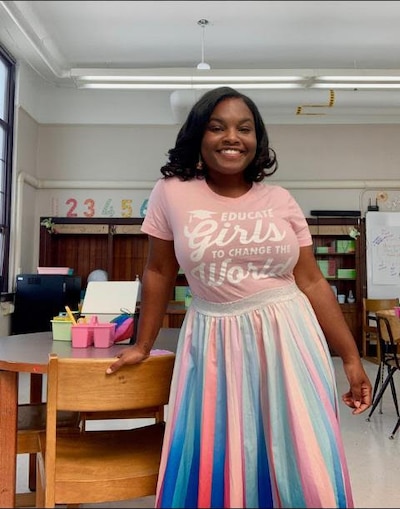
(253, 412)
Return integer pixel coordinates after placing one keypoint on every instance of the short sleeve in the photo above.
(299, 223)
(156, 222)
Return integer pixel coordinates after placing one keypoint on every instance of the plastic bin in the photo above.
(101, 335)
(104, 334)
(82, 335)
(61, 330)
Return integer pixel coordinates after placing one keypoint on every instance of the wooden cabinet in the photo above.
(339, 248)
(115, 245)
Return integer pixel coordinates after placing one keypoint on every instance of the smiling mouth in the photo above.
(230, 151)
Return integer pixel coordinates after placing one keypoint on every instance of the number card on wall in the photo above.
(96, 204)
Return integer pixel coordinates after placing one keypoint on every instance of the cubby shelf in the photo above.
(348, 234)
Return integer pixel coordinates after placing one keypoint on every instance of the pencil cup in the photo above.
(82, 335)
(104, 334)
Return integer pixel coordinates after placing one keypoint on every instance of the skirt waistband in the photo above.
(255, 301)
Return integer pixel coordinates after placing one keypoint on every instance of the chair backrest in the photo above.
(388, 326)
(83, 385)
(371, 306)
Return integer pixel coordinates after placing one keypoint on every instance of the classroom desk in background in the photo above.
(28, 353)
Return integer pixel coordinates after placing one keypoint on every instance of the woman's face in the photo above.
(229, 143)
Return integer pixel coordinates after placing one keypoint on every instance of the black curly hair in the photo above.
(183, 158)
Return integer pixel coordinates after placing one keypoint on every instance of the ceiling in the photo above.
(55, 37)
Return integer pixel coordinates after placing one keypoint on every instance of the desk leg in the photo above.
(36, 388)
(35, 397)
(8, 437)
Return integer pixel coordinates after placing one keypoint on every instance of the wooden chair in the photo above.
(370, 343)
(388, 326)
(101, 466)
(31, 422)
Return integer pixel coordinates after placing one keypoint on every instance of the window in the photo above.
(7, 92)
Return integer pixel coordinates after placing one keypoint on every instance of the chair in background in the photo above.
(388, 327)
(31, 422)
(109, 465)
(370, 343)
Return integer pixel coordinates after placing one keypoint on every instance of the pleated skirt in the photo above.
(253, 412)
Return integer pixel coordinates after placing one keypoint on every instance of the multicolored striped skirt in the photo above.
(253, 413)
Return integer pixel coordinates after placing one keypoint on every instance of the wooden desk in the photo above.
(28, 353)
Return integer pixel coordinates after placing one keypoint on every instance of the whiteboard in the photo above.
(383, 254)
(108, 299)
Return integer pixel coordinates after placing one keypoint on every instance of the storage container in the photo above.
(61, 330)
(82, 335)
(328, 267)
(96, 333)
(346, 273)
(345, 246)
(103, 335)
(68, 271)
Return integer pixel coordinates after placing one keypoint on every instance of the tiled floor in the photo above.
(372, 456)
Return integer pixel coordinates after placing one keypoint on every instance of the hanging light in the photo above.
(203, 66)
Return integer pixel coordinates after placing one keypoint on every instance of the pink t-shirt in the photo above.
(229, 248)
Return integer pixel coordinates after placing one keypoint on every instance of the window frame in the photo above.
(8, 125)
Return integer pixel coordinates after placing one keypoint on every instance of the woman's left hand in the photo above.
(359, 396)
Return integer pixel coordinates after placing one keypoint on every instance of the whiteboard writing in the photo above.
(385, 255)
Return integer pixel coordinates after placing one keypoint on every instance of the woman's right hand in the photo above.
(132, 355)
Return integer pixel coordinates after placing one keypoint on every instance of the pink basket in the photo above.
(82, 335)
(101, 335)
(104, 334)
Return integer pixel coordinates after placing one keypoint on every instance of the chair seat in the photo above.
(32, 416)
(32, 420)
(127, 460)
(152, 412)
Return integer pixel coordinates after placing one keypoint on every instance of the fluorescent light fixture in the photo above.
(373, 78)
(184, 78)
(360, 85)
(190, 79)
(178, 86)
(178, 78)
(378, 81)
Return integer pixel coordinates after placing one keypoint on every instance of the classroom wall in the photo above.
(75, 147)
